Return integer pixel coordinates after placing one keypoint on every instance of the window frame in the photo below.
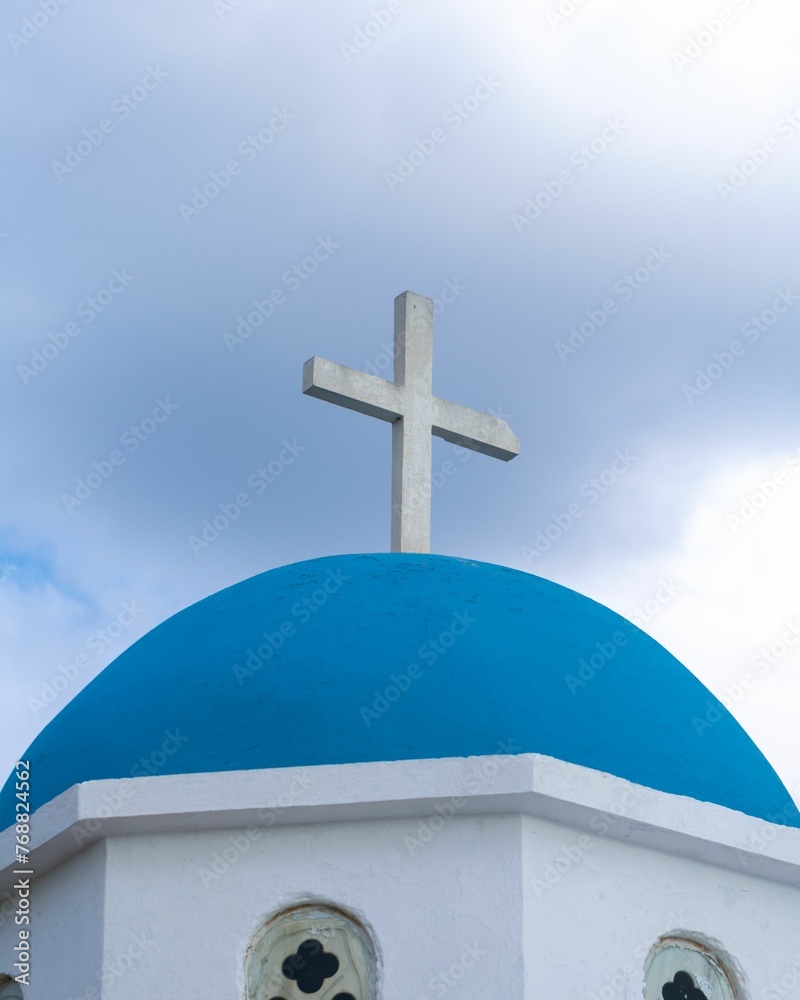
(257, 955)
(702, 956)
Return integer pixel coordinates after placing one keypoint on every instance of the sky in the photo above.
(600, 197)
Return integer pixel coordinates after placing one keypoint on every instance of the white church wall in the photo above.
(66, 929)
(595, 906)
(445, 915)
(522, 874)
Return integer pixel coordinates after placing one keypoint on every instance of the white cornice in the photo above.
(528, 784)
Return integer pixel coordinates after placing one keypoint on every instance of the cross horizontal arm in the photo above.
(354, 389)
(474, 430)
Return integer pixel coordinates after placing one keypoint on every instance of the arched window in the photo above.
(679, 968)
(311, 951)
(10, 989)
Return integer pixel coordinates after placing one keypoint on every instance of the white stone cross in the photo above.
(415, 413)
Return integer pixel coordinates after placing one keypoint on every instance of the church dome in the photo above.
(399, 656)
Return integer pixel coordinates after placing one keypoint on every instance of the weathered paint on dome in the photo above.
(399, 657)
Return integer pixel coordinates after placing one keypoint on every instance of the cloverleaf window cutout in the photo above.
(310, 966)
(682, 987)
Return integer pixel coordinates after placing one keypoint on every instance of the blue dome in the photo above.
(397, 657)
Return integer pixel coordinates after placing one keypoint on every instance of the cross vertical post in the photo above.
(411, 434)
